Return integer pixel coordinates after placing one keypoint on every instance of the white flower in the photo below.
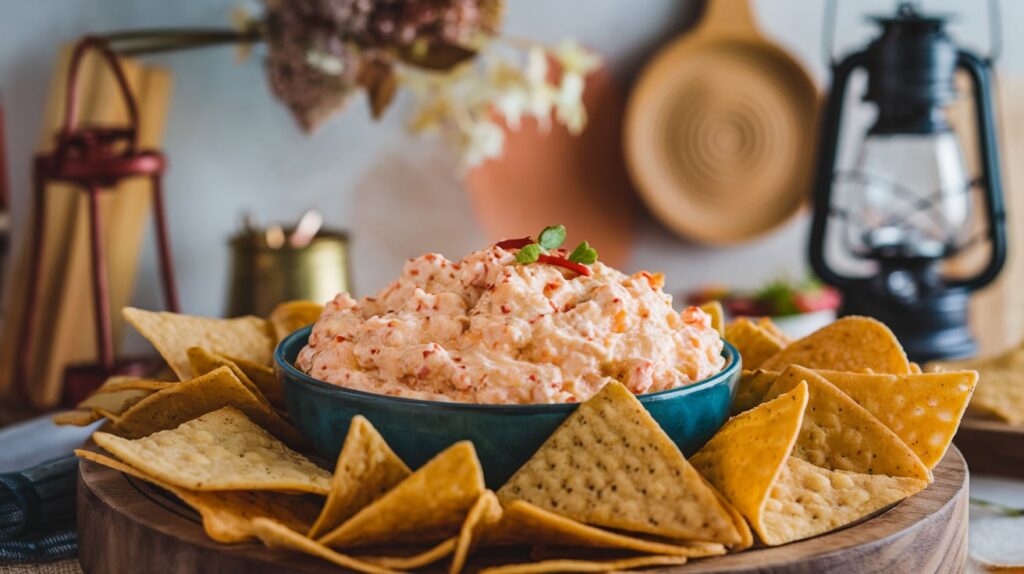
(481, 140)
(576, 59)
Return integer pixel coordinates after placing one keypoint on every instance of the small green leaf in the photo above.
(528, 254)
(552, 237)
(584, 254)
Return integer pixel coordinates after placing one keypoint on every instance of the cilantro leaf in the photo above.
(552, 237)
(528, 254)
(584, 254)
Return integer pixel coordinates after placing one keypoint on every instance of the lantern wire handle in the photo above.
(995, 32)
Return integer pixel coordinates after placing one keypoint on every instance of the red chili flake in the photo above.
(427, 353)
(430, 257)
(419, 306)
(533, 378)
(371, 300)
(458, 360)
(514, 243)
(616, 300)
(565, 264)
(506, 309)
(422, 373)
(374, 351)
(340, 339)
(570, 400)
(414, 272)
(312, 345)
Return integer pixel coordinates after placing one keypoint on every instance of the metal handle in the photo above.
(84, 46)
(990, 177)
(831, 118)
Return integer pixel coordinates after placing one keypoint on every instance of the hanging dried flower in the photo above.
(322, 51)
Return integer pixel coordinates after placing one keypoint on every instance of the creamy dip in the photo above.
(490, 330)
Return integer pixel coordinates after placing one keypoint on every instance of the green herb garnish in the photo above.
(552, 237)
(528, 253)
(584, 254)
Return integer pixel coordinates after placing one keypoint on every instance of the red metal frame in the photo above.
(94, 158)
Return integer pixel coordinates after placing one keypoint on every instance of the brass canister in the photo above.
(263, 276)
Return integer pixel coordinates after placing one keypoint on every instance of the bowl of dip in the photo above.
(505, 436)
(499, 349)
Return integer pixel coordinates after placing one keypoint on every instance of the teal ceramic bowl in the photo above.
(505, 436)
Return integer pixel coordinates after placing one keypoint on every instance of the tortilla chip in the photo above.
(203, 361)
(249, 338)
(523, 522)
(277, 535)
(367, 468)
(114, 401)
(484, 514)
(755, 344)
(120, 383)
(430, 505)
(839, 434)
(808, 500)
(1000, 395)
(714, 309)
(413, 561)
(746, 536)
(610, 464)
(78, 418)
(291, 316)
(924, 410)
(849, 344)
(221, 450)
(262, 376)
(768, 325)
(746, 456)
(185, 401)
(227, 516)
(586, 565)
(751, 390)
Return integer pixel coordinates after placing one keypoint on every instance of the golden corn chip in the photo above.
(367, 468)
(768, 325)
(413, 561)
(120, 383)
(746, 456)
(262, 376)
(203, 361)
(714, 309)
(291, 316)
(924, 410)
(484, 514)
(610, 464)
(185, 401)
(751, 390)
(221, 450)
(754, 343)
(78, 418)
(808, 500)
(276, 535)
(525, 523)
(1000, 394)
(839, 434)
(746, 536)
(849, 344)
(227, 516)
(114, 401)
(430, 505)
(249, 338)
(586, 565)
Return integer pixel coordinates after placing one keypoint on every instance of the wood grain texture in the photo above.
(125, 525)
(720, 130)
(992, 447)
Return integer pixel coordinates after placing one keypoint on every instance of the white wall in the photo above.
(234, 148)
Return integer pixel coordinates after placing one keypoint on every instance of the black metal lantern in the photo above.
(906, 205)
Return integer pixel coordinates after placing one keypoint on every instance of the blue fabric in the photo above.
(37, 512)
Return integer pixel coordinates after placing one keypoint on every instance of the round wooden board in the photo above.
(126, 525)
